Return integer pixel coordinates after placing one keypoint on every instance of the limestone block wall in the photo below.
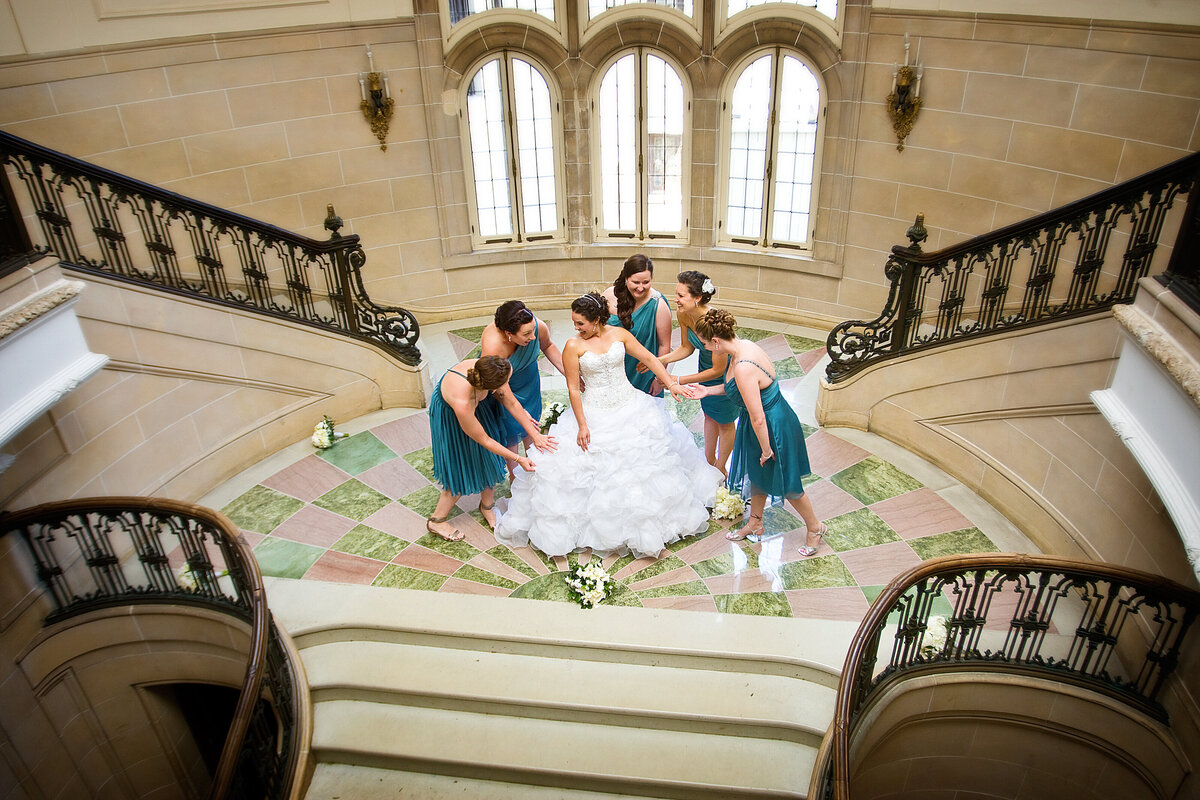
(193, 394)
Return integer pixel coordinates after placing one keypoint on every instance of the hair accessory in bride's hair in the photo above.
(592, 301)
(708, 287)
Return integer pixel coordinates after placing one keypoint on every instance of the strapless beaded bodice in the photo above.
(604, 380)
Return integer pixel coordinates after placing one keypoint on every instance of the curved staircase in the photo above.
(456, 695)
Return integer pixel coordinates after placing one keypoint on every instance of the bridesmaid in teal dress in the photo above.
(769, 456)
(467, 458)
(692, 295)
(640, 309)
(516, 334)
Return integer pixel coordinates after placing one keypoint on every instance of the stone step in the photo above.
(605, 693)
(349, 782)
(641, 762)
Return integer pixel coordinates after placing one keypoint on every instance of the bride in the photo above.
(635, 481)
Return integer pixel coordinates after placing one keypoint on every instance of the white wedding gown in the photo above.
(642, 484)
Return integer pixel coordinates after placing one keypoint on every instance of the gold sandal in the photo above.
(429, 527)
(483, 508)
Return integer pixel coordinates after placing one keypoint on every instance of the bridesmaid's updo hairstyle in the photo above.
(698, 284)
(489, 372)
(717, 323)
(511, 315)
(633, 265)
(592, 307)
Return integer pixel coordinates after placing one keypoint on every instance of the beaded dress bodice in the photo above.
(604, 380)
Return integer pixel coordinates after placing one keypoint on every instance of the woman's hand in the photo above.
(766, 456)
(697, 391)
(677, 391)
(544, 443)
(642, 367)
(584, 438)
(526, 464)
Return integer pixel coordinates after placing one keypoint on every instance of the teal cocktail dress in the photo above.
(526, 385)
(646, 332)
(717, 407)
(462, 465)
(781, 476)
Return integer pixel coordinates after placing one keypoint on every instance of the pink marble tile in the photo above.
(560, 563)
(422, 558)
(395, 478)
(745, 582)
(252, 537)
(829, 455)
(630, 568)
(680, 575)
(313, 525)
(398, 520)
(921, 512)
(779, 550)
(704, 602)
(840, 602)
(498, 567)
(875, 566)
(474, 534)
(809, 360)
(336, 567)
(714, 544)
(776, 347)
(460, 345)
(830, 500)
(460, 586)
(405, 435)
(527, 555)
(307, 479)
(609, 560)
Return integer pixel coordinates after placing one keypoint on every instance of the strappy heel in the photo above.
(429, 527)
(808, 550)
(488, 507)
(753, 536)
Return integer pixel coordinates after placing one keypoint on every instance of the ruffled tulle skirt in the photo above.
(642, 484)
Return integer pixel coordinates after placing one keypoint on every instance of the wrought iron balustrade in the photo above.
(97, 220)
(100, 552)
(1109, 629)
(1079, 259)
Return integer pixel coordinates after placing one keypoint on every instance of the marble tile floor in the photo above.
(355, 513)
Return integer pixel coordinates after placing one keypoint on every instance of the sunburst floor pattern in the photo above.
(355, 513)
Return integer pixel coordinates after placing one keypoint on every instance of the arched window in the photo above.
(461, 9)
(598, 7)
(827, 7)
(511, 124)
(771, 116)
(641, 122)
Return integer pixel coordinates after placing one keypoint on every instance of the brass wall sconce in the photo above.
(904, 103)
(377, 104)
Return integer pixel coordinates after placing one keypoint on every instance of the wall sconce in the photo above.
(377, 104)
(904, 102)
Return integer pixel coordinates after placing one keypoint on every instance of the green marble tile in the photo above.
(470, 334)
(754, 334)
(556, 396)
(358, 453)
(687, 589)
(395, 576)
(622, 595)
(657, 568)
(787, 368)
(763, 604)
(676, 546)
(261, 509)
(621, 563)
(460, 549)
(476, 352)
(820, 572)
(367, 542)
(424, 501)
(573, 560)
(809, 430)
(717, 565)
(502, 553)
(422, 461)
(861, 528)
(939, 607)
(504, 488)
(281, 558)
(968, 540)
(353, 499)
(751, 554)
(469, 572)
(874, 479)
(778, 519)
(802, 344)
(551, 587)
(685, 410)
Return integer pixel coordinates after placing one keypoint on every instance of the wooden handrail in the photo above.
(850, 695)
(248, 582)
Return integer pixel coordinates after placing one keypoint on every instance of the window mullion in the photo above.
(768, 229)
(643, 147)
(514, 168)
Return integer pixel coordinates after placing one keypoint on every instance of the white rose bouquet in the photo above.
(324, 435)
(551, 415)
(589, 585)
(936, 631)
(728, 505)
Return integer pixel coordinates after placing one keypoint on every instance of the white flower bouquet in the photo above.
(324, 435)
(187, 579)
(589, 585)
(728, 505)
(551, 415)
(936, 631)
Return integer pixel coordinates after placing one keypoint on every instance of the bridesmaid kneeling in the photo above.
(769, 455)
(467, 458)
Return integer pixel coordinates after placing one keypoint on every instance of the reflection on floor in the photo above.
(355, 513)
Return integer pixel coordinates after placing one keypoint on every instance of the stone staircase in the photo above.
(431, 695)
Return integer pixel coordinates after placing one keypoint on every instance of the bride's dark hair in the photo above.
(633, 265)
(592, 307)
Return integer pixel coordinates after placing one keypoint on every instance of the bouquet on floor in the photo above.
(936, 631)
(728, 505)
(551, 415)
(589, 584)
(324, 435)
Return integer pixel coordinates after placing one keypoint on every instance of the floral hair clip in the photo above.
(708, 287)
